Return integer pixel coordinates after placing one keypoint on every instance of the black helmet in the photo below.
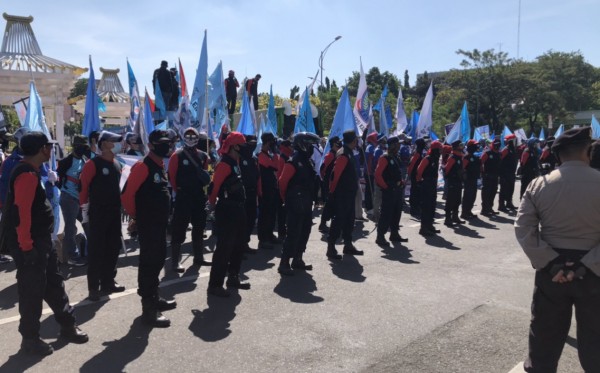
(304, 141)
(267, 137)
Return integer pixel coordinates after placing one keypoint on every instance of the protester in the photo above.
(252, 89)
(231, 86)
(427, 177)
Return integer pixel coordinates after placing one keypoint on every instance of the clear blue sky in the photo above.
(282, 39)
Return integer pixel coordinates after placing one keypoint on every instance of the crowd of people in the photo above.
(182, 179)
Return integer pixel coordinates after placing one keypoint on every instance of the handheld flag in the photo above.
(271, 115)
(304, 121)
(461, 129)
(134, 98)
(246, 125)
(426, 118)
(361, 112)
(198, 100)
(343, 120)
(159, 102)
(505, 132)
(217, 100)
(560, 130)
(595, 127)
(91, 118)
(401, 120)
(34, 119)
(542, 135)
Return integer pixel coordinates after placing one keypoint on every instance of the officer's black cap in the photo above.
(250, 138)
(80, 140)
(267, 136)
(573, 137)
(334, 140)
(32, 142)
(158, 137)
(393, 140)
(109, 136)
(349, 136)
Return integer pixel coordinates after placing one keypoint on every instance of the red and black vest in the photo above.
(392, 173)
(152, 200)
(473, 169)
(232, 189)
(348, 181)
(104, 189)
(454, 176)
(302, 183)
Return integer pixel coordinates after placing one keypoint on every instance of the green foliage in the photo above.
(80, 88)
(11, 118)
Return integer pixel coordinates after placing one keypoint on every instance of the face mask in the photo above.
(79, 151)
(162, 150)
(117, 148)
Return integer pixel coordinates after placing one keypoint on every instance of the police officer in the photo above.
(228, 187)
(326, 169)
(28, 223)
(508, 169)
(415, 193)
(188, 176)
(342, 192)
(453, 173)
(296, 188)
(146, 199)
(490, 171)
(547, 159)
(100, 200)
(388, 177)
(472, 172)
(560, 236)
(269, 197)
(530, 167)
(250, 178)
(427, 177)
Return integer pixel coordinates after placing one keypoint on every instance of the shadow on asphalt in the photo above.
(463, 230)
(479, 223)
(439, 241)
(8, 267)
(298, 288)
(261, 261)
(213, 323)
(20, 362)
(9, 297)
(502, 219)
(117, 354)
(348, 269)
(398, 253)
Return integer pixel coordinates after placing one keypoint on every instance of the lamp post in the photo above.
(321, 57)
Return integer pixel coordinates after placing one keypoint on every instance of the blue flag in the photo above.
(413, 125)
(477, 135)
(304, 121)
(559, 131)
(384, 125)
(595, 128)
(34, 119)
(505, 132)
(217, 101)
(134, 99)
(343, 120)
(433, 136)
(461, 129)
(132, 80)
(91, 118)
(271, 115)
(380, 103)
(246, 125)
(159, 102)
(198, 100)
(542, 135)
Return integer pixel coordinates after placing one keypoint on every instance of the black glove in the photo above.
(578, 269)
(30, 257)
(556, 265)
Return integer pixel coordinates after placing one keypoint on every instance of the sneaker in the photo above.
(234, 282)
(351, 250)
(218, 291)
(5, 259)
(155, 318)
(165, 305)
(35, 346)
(77, 262)
(73, 334)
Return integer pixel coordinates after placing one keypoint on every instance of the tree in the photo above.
(406, 81)
(294, 92)
(80, 88)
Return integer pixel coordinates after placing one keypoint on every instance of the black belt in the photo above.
(571, 254)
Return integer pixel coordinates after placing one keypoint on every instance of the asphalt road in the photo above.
(459, 302)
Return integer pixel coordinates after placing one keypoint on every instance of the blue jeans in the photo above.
(70, 210)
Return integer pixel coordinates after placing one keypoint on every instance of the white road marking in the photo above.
(518, 369)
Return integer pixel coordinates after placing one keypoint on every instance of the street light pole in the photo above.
(321, 69)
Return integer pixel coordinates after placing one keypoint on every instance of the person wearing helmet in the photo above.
(388, 177)
(188, 176)
(343, 188)
(427, 177)
(231, 87)
(415, 195)
(530, 166)
(100, 201)
(472, 167)
(268, 194)
(296, 187)
(250, 178)
(146, 199)
(229, 196)
(326, 169)
(508, 169)
(453, 174)
(548, 159)
(490, 171)
(9, 163)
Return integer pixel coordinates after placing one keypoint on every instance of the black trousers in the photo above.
(488, 192)
(250, 207)
(231, 104)
(415, 197)
(40, 282)
(299, 222)
(189, 208)
(369, 192)
(267, 214)
(469, 196)
(343, 217)
(104, 245)
(231, 237)
(391, 210)
(551, 311)
(152, 235)
(453, 198)
(507, 188)
(281, 219)
(525, 180)
(428, 201)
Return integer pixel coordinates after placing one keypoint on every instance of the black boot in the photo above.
(381, 241)
(456, 219)
(298, 263)
(151, 315)
(73, 334)
(233, 281)
(395, 237)
(349, 249)
(502, 206)
(199, 255)
(35, 346)
(323, 228)
(332, 252)
(165, 305)
(176, 258)
(284, 267)
(448, 220)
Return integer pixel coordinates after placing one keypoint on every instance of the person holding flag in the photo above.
(146, 199)
(100, 200)
(227, 192)
(326, 169)
(188, 175)
(508, 169)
